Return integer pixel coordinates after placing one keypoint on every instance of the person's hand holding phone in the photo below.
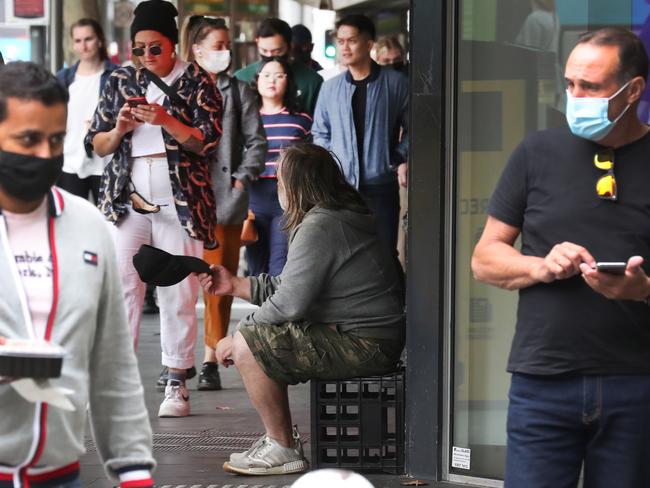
(562, 262)
(153, 113)
(632, 284)
(126, 122)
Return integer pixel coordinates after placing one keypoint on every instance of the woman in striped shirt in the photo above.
(284, 126)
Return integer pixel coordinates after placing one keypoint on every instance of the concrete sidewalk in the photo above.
(191, 451)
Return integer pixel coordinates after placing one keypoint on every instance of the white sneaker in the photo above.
(177, 400)
(266, 456)
(238, 456)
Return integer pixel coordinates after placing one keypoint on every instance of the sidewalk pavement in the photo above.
(190, 451)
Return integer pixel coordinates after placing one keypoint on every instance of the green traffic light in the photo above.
(330, 51)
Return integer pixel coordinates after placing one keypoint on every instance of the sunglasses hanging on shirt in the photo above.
(606, 184)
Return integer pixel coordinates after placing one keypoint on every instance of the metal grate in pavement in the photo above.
(203, 441)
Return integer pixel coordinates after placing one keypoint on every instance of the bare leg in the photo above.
(270, 399)
(209, 355)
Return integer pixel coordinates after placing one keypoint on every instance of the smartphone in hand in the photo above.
(135, 101)
(614, 267)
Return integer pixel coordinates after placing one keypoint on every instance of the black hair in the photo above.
(290, 99)
(632, 56)
(273, 27)
(300, 34)
(99, 32)
(28, 81)
(363, 24)
(197, 29)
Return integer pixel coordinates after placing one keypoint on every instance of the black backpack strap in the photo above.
(166, 89)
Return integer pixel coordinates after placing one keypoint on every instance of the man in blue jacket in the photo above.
(361, 116)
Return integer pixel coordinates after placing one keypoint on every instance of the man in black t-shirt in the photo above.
(580, 358)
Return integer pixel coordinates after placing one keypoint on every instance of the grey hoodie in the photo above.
(337, 273)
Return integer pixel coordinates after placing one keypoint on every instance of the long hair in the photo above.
(99, 32)
(290, 98)
(309, 177)
(196, 30)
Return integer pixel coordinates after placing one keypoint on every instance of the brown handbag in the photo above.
(249, 231)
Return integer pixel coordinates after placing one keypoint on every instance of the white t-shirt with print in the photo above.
(29, 242)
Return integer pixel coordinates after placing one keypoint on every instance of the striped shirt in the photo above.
(283, 129)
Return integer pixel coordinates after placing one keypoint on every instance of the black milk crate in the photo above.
(359, 423)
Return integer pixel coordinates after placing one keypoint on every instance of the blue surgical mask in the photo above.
(587, 117)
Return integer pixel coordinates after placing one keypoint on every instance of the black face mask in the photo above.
(28, 178)
(398, 66)
(266, 59)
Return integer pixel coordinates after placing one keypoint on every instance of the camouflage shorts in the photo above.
(296, 352)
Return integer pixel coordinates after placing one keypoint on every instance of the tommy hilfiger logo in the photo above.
(90, 258)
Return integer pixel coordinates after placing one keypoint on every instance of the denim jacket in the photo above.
(386, 113)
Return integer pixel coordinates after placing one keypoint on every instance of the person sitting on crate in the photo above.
(336, 311)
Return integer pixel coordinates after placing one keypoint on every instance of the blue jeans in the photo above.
(556, 423)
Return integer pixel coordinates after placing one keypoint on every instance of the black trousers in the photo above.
(383, 201)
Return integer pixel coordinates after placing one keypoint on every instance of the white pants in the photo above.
(178, 324)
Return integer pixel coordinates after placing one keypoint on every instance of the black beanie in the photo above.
(156, 15)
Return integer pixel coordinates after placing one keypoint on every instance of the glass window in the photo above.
(510, 82)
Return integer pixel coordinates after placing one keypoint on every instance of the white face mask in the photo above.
(214, 61)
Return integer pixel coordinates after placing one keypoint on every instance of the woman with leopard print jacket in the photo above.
(157, 187)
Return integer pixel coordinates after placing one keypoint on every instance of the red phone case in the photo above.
(135, 101)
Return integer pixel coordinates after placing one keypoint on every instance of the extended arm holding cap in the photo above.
(221, 282)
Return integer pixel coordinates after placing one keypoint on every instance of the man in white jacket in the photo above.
(59, 284)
